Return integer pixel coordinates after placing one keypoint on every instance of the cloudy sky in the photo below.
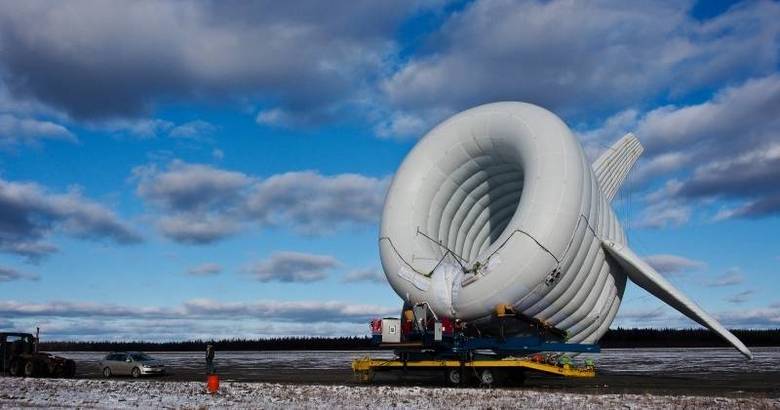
(214, 169)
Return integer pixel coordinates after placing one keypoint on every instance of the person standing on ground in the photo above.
(210, 358)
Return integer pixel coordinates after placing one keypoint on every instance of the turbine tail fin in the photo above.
(650, 280)
(614, 164)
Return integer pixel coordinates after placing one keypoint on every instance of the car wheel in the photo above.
(136, 372)
(30, 369)
(106, 372)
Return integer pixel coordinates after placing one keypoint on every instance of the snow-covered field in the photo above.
(54, 393)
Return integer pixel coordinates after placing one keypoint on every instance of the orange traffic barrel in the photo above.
(212, 385)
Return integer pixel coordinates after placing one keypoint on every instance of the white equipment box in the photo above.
(391, 330)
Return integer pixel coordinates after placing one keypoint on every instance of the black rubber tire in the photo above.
(453, 377)
(30, 369)
(106, 372)
(15, 368)
(487, 377)
(136, 372)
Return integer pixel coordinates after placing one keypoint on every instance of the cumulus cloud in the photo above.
(186, 187)
(724, 148)
(123, 57)
(197, 129)
(293, 267)
(312, 203)
(10, 274)
(135, 127)
(197, 229)
(201, 204)
(372, 275)
(601, 56)
(29, 214)
(749, 110)
(673, 265)
(205, 269)
(16, 130)
(662, 208)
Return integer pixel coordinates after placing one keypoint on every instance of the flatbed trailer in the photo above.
(465, 353)
(456, 372)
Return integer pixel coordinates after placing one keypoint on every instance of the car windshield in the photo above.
(140, 357)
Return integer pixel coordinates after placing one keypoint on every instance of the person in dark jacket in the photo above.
(210, 359)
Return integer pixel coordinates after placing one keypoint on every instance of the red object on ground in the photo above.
(212, 385)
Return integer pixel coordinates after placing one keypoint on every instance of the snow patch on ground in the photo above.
(25, 393)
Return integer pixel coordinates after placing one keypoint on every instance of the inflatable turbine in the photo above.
(499, 205)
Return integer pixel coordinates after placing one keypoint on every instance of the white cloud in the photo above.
(731, 277)
(185, 187)
(365, 275)
(194, 319)
(673, 265)
(29, 214)
(741, 297)
(293, 267)
(205, 269)
(312, 203)
(724, 148)
(201, 204)
(305, 57)
(600, 56)
(274, 117)
(295, 311)
(192, 130)
(21, 130)
(136, 127)
(10, 274)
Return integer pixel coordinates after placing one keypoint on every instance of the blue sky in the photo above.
(172, 170)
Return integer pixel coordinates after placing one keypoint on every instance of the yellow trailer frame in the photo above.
(365, 367)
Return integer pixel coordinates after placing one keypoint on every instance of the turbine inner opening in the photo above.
(475, 204)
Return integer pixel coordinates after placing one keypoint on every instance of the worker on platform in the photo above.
(210, 359)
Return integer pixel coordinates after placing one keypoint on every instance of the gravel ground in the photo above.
(58, 393)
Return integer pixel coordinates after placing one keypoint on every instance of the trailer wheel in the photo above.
(30, 369)
(487, 377)
(453, 377)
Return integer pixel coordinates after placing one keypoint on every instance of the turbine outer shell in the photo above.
(515, 171)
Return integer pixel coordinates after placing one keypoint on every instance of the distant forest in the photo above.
(615, 338)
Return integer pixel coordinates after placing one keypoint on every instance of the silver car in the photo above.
(133, 364)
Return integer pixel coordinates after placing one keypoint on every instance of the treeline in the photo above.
(615, 338)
